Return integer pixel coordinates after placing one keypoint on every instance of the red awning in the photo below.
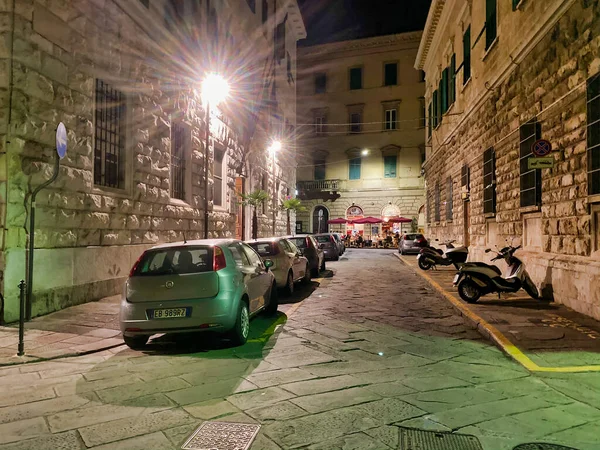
(398, 219)
(339, 220)
(368, 220)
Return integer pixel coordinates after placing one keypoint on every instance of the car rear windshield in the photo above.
(175, 260)
(323, 239)
(264, 248)
(300, 242)
(410, 237)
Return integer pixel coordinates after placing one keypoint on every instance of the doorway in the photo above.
(466, 223)
(319, 219)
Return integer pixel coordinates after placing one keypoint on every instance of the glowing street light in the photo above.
(275, 147)
(215, 90)
(365, 152)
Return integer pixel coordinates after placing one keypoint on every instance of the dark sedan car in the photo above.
(330, 245)
(411, 243)
(311, 250)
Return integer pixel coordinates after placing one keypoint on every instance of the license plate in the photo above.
(168, 313)
(456, 277)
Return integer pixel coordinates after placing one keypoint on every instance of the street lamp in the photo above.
(214, 90)
(273, 149)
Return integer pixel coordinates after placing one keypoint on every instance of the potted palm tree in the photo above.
(288, 205)
(254, 199)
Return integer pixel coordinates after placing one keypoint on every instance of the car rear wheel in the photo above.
(239, 334)
(136, 342)
(306, 279)
(289, 285)
(271, 308)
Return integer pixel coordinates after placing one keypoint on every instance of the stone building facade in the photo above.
(361, 139)
(125, 79)
(500, 76)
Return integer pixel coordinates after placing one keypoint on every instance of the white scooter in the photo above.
(477, 279)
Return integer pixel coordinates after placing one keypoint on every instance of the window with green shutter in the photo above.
(435, 110)
(515, 4)
(452, 81)
(490, 22)
(354, 169)
(593, 134)
(444, 90)
(389, 164)
(449, 200)
(391, 74)
(430, 120)
(467, 55)
(356, 78)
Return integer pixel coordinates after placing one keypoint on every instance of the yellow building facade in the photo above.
(361, 139)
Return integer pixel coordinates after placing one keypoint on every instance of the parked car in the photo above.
(340, 243)
(411, 243)
(289, 266)
(212, 284)
(311, 250)
(330, 245)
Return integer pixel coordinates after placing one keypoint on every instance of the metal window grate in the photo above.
(218, 178)
(178, 161)
(437, 202)
(489, 181)
(593, 134)
(109, 136)
(530, 179)
(449, 200)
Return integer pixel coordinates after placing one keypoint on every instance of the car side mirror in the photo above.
(268, 264)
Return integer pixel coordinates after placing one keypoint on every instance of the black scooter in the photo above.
(429, 257)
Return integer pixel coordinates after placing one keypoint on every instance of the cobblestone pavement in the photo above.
(371, 349)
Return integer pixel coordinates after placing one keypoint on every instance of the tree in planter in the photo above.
(288, 205)
(254, 199)
(414, 225)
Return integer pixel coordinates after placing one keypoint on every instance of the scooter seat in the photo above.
(480, 264)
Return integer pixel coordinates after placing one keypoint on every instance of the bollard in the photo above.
(21, 351)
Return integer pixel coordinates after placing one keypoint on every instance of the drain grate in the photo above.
(412, 439)
(542, 446)
(222, 436)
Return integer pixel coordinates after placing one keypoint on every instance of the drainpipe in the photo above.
(5, 148)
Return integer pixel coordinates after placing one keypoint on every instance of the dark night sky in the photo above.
(338, 20)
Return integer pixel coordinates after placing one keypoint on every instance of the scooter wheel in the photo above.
(424, 265)
(531, 289)
(468, 291)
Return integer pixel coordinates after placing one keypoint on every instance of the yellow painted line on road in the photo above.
(496, 336)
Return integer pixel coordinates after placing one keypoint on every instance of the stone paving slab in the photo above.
(548, 333)
(86, 328)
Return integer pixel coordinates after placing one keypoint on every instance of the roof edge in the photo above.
(433, 17)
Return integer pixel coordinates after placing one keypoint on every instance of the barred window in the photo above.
(489, 181)
(355, 122)
(465, 178)
(109, 140)
(593, 134)
(178, 160)
(219, 175)
(530, 179)
(428, 208)
(437, 202)
(449, 202)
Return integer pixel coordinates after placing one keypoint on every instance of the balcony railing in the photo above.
(318, 185)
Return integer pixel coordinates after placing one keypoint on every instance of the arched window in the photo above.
(354, 212)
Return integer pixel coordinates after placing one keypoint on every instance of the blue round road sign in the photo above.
(61, 140)
(541, 147)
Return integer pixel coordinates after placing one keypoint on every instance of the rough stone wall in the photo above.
(549, 84)
(87, 237)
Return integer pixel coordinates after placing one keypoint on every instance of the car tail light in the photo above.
(132, 271)
(219, 261)
(421, 240)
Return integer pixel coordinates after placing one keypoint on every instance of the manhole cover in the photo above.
(222, 436)
(411, 439)
(542, 446)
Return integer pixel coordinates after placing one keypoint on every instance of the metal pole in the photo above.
(21, 350)
(32, 235)
(206, 156)
(274, 195)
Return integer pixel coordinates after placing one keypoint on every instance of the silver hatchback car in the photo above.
(217, 285)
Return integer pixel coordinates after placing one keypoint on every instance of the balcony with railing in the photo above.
(318, 189)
